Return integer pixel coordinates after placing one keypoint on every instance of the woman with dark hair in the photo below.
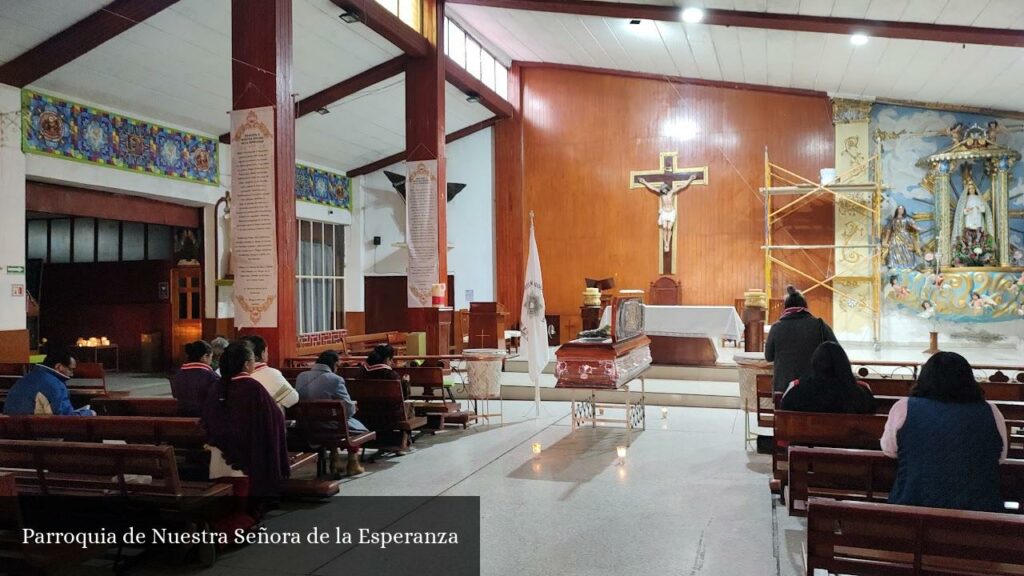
(947, 439)
(380, 364)
(830, 386)
(792, 340)
(245, 428)
(192, 384)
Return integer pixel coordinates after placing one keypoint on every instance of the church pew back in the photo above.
(183, 433)
(866, 475)
(869, 539)
(827, 430)
(138, 406)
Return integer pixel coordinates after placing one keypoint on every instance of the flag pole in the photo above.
(533, 325)
(536, 381)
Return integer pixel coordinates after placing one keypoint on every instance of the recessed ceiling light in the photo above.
(693, 15)
(323, 111)
(350, 17)
(859, 39)
(634, 21)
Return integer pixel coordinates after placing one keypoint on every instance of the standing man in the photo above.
(44, 390)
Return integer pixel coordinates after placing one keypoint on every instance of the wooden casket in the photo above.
(601, 365)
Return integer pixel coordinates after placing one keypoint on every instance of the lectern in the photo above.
(487, 325)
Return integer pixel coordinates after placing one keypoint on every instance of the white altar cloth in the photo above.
(689, 321)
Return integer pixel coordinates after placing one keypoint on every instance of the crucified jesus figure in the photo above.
(667, 208)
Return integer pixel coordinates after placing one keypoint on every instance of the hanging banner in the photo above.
(421, 230)
(253, 218)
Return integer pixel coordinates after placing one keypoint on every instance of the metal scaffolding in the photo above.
(779, 181)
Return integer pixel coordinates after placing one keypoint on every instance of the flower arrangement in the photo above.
(975, 250)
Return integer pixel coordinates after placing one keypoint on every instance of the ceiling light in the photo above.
(323, 111)
(634, 21)
(693, 15)
(859, 39)
(350, 17)
(472, 97)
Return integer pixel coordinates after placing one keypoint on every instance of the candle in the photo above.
(664, 413)
(536, 448)
(620, 451)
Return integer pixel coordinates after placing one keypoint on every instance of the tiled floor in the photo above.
(687, 499)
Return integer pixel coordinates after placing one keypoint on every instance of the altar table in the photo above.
(687, 335)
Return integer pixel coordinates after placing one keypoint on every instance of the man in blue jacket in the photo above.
(44, 389)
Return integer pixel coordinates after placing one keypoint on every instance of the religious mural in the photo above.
(953, 221)
(323, 187)
(56, 127)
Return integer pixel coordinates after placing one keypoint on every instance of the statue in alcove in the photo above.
(972, 237)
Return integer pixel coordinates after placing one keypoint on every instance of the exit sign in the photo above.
(15, 269)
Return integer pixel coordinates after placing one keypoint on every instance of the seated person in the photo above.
(44, 390)
(218, 345)
(271, 378)
(322, 383)
(194, 380)
(830, 386)
(380, 365)
(948, 441)
(245, 429)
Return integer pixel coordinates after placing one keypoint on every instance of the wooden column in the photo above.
(424, 129)
(261, 75)
(510, 222)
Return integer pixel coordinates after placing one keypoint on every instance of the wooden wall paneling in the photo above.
(582, 135)
(355, 323)
(73, 201)
(14, 346)
(386, 300)
(512, 220)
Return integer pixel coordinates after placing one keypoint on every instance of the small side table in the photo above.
(96, 354)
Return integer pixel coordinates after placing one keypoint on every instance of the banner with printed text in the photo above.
(254, 217)
(421, 230)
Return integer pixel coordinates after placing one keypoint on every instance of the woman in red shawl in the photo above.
(245, 429)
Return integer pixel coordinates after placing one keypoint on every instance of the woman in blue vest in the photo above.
(947, 439)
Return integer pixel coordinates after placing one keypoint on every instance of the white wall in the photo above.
(380, 211)
(12, 216)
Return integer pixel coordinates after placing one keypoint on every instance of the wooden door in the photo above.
(186, 309)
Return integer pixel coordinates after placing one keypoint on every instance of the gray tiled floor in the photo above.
(688, 499)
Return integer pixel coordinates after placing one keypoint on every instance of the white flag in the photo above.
(534, 326)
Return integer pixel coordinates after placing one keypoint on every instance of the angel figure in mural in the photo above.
(927, 310)
(979, 301)
(972, 221)
(667, 207)
(895, 289)
(900, 245)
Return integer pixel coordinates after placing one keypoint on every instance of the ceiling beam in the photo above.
(676, 79)
(400, 157)
(391, 27)
(463, 80)
(344, 89)
(78, 39)
(769, 21)
(350, 86)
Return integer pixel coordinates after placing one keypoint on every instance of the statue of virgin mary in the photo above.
(973, 215)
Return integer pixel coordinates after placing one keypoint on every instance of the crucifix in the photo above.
(667, 182)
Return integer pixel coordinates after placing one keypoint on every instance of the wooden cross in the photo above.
(483, 338)
(674, 177)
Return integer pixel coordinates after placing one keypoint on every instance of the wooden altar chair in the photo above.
(666, 291)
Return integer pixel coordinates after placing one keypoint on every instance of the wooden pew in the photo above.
(322, 425)
(866, 475)
(440, 409)
(137, 406)
(869, 539)
(815, 429)
(185, 435)
(85, 469)
(19, 558)
(382, 409)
